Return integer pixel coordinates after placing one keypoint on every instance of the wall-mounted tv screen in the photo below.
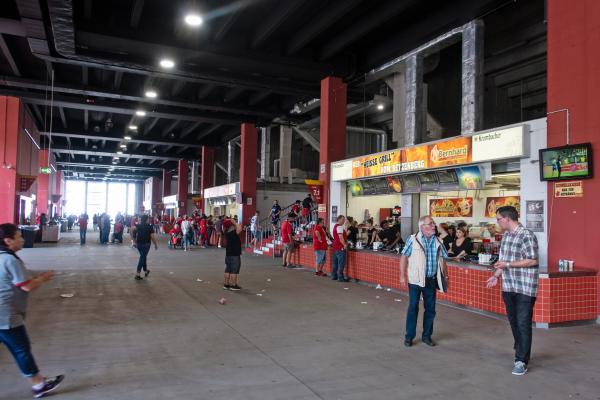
(566, 162)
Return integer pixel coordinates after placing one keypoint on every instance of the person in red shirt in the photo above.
(320, 246)
(83, 221)
(287, 237)
(339, 247)
(203, 232)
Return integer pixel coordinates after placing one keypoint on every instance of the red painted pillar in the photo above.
(166, 189)
(333, 131)
(207, 167)
(182, 187)
(43, 182)
(9, 129)
(249, 154)
(573, 83)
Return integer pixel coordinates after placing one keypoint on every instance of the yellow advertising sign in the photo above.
(568, 189)
(451, 152)
(377, 164)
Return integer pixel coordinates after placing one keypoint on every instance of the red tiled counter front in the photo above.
(561, 297)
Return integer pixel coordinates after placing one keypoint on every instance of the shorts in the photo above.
(233, 264)
(320, 256)
(255, 234)
(289, 247)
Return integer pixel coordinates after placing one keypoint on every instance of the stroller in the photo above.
(176, 241)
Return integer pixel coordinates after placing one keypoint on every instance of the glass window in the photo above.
(75, 197)
(117, 198)
(131, 189)
(96, 198)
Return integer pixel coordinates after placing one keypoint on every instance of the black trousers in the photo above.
(519, 309)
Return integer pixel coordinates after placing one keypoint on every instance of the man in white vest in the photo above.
(422, 262)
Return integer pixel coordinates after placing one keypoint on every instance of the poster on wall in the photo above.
(493, 203)
(356, 188)
(534, 215)
(334, 214)
(451, 207)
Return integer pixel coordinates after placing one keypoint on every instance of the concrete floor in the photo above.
(306, 337)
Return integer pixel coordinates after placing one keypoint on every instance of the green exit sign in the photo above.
(45, 170)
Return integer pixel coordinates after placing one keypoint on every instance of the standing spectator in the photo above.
(16, 282)
(83, 222)
(95, 221)
(142, 235)
(105, 227)
(188, 232)
(423, 259)
(353, 232)
(219, 230)
(233, 253)
(518, 266)
(296, 209)
(43, 220)
(210, 228)
(339, 247)
(307, 206)
(254, 228)
(275, 212)
(287, 237)
(203, 232)
(320, 246)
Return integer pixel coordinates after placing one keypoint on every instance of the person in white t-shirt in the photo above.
(254, 228)
(187, 230)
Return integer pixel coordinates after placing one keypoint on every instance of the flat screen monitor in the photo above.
(429, 182)
(410, 184)
(566, 162)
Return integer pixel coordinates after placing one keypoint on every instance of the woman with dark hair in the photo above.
(462, 245)
(142, 235)
(16, 282)
(444, 235)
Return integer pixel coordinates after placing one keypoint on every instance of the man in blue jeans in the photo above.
(16, 282)
(422, 261)
(339, 250)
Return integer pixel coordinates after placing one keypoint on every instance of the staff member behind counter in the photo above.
(462, 245)
(389, 235)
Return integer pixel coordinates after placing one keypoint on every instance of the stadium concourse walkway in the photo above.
(305, 337)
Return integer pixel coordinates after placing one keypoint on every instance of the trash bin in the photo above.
(63, 226)
(28, 235)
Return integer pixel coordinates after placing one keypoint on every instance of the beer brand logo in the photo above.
(438, 155)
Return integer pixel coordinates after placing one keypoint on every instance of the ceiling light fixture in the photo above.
(119, 152)
(193, 19)
(151, 94)
(133, 127)
(127, 137)
(380, 107)
(167, 63)
(140, 113)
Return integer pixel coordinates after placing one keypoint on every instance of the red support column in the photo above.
(206, 171)
(43, 182)
(333, 131)
(573, 84)
(166, 183)
(249, 154)
(9, 129)
(182, 187)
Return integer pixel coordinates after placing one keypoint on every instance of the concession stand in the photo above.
(462, 179)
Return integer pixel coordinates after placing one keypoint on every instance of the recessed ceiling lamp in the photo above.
(140, 113)
(127, 137)
(119, 152)
(123, 146)
(380, 107)
(133, 127)
(151, 94)
(167, 63)
(193, 19)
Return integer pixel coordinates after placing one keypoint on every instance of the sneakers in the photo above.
(520, 368)
(226, 286)
(235, 287)
(138, 278)
(49, 385)
(319, 273)
(146, 273)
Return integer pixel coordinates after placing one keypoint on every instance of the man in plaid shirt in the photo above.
(518, 266)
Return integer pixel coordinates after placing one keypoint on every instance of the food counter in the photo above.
(562, 296)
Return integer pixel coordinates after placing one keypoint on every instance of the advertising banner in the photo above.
(451, 152)
(377, 164)
(493, 203)
(415, 158)
(534, 216)
(315, 187)
(495, 145)
(452, 207)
